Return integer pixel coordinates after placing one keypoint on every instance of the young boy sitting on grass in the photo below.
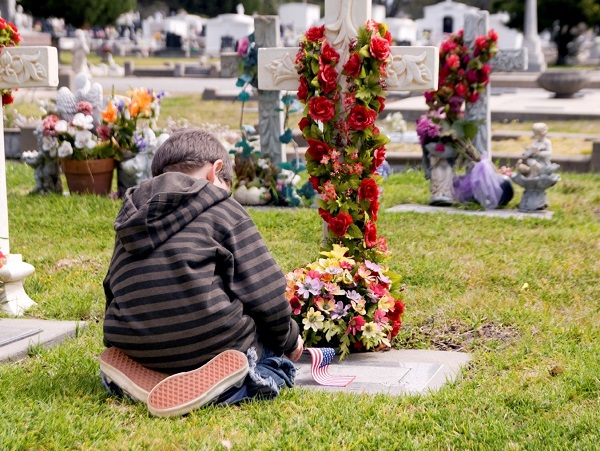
(195, 304)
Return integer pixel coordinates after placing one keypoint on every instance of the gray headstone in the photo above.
(270, 125)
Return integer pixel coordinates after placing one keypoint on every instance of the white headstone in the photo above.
(23, 67)
(235, 26)
(299, 16)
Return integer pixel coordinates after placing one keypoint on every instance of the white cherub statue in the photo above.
(85, 91)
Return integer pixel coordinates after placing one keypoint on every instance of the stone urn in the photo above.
(563, 83)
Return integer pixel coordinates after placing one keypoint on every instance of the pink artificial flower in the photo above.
(242, 46)
(85, 108)
(355, 325)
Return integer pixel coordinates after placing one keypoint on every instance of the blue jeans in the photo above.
(264, 379)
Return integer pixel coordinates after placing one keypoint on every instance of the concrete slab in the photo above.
(417, 208)
(18, 335)
(394, 372)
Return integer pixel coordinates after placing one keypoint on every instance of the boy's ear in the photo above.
(214, 170)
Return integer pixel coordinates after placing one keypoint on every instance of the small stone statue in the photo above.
(85, 91)
(536, 157)
(81, 50)
(46, 172)
(535, 171)
(440, 173)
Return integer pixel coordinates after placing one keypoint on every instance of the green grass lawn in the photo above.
(521, 295)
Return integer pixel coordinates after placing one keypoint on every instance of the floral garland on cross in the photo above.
(349, 299)
(9, 37)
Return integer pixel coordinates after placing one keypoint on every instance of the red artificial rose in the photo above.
(453, 62)
(368, 190)
(304, 122)
(303, 89)
(473, 97)
(447, 46)
(481, 43)
(372, 26)
(381, 101)
(471, 76)
(460, 89)
(315, 182)
(340, 223)
(314, 34)
(380, 48)
(321, 108)
(398, 310)
(373, 210)
(352, 66)
(388, 36)
(328, 54)
(396, 328)
(378, 158)
(370, 234)
(327, 79)
(493, 35)
(7, 99)
(361, 117)
(325, 215)
(317, 149)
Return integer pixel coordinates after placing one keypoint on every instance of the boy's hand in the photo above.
(296, 353)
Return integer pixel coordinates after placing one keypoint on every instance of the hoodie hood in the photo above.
(160, 207)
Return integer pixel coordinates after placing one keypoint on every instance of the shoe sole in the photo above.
(137, 380)
(183, 392)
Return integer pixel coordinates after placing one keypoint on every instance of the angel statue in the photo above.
(85, 91)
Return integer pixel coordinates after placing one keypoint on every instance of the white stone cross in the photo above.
(20, 67)
(477, 24)
(410, 68)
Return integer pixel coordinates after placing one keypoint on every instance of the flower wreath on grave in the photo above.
(349, 299)
(464, 73)
(9, 37)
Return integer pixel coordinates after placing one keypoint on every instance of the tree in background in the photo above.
(563, 18)
(80, 13)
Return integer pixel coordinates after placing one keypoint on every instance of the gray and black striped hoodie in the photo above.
(190, 277)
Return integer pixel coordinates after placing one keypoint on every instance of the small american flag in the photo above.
(321, 358)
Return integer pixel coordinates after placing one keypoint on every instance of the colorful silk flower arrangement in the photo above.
(464, 73)
(331, 298)
(129, 123)
(9, 37)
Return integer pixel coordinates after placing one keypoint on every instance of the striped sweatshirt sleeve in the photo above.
(257, 281)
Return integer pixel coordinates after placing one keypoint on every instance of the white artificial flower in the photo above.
(49, 143)
(61, 126)
(82, 137)
(91, 143)
(83, 121)
(65, 150)
(126, 113)
(262, 163)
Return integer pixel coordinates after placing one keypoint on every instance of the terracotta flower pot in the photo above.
(89, 176)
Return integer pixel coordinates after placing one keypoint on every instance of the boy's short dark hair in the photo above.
(189, 148)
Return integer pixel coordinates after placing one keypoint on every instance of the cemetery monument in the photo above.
(24, 67)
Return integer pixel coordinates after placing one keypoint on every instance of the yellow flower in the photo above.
(313, 320)
(370, 330)
(109, 115)
(385, 303)
(359, 306)
(325, 305)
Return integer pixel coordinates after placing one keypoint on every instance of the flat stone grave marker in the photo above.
(17, 336)
(394, 372)
(509, 213)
